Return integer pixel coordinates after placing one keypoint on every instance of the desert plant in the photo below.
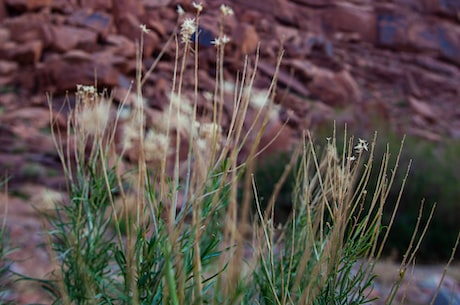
(433, 179)
(173, 231)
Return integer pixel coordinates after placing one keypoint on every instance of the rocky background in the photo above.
(355, 61)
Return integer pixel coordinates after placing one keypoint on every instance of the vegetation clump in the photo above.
(174, 230)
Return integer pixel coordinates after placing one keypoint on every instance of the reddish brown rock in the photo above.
(25, 27)
(246, 39)
(122, 8)
(97, 5)
(3, 13)
(423, 109)
(108, 57)
(128, 25)
(156, 3)
(157, 26)
(122, 45)
(62, 7)
(352, 19)
(6, 80)
(4, 36)
(422, 36)
(316, 3)
(59, 74)
(65, 38)
(8, 67)
(391, 28)
(331, 88)
(284, 10)
(446, 7)
(27, 5)
(441, 38)
(28, 53)
(449, 43)
(99, 22)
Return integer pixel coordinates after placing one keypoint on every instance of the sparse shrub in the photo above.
(433, 178)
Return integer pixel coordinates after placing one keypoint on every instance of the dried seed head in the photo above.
(180, 10)
(198, 6)
(144, 28)
(188, 27)
(86, 94)
(225, 39)
(130, 134)
(209, 136)
(226, 10)
(94, 118)
(156, 146)
(201, 145)
(209, 131)
(220, 41)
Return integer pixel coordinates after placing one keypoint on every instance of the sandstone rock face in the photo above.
(338, 44)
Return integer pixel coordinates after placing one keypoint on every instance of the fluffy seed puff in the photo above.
(156, 146)
(209, 134)
(92, 113)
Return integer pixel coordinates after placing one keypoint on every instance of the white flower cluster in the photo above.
(220, 41)
(144, 28)
(188, 27)
(223, 39)
(362, 145)
(84, 89)
(198, 6)
(226, 10)
(86, 93)
(180, 10)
